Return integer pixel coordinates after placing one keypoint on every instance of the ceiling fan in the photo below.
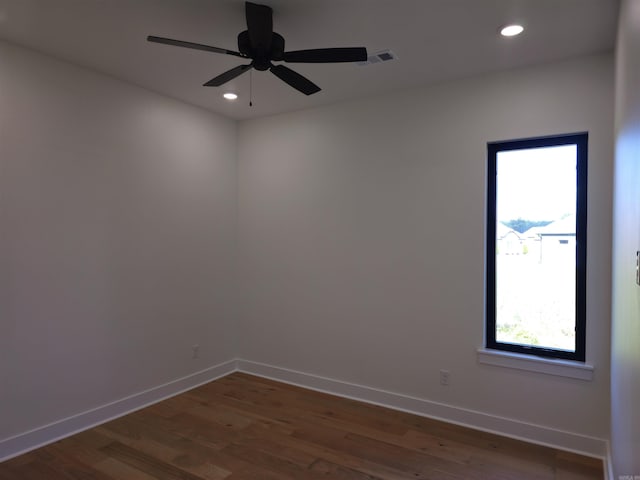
(262, 46)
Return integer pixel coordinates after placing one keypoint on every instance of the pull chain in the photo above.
(251, 88)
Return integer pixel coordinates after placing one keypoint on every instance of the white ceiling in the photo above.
(434, 40)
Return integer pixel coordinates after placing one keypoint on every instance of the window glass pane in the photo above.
(536, 247)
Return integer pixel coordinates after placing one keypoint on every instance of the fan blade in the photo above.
(228, 75)
(195, 46)
(260, 27)
(327, 55)
(294, 79)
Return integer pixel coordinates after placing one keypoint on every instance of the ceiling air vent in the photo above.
(379, 57)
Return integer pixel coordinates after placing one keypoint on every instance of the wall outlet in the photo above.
(444, 378)
(196, 351)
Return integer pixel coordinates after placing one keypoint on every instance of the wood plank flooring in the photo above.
(246, 427)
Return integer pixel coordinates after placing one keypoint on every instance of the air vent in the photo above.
(379, 57)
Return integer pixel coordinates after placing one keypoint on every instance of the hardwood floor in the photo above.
(245, 427)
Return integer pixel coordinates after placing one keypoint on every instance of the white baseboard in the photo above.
(24, 442)
(538, 434)
(595, 447)
(608, 464)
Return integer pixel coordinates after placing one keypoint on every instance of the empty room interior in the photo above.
(332, 274)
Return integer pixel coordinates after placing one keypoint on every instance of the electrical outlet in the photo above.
(444, 378)
(196, 351)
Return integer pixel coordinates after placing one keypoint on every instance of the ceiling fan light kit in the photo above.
(260, 44)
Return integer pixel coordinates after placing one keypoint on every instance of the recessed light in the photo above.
(230, 96)
(511, 30)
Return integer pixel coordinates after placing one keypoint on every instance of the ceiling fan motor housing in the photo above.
(262, 57)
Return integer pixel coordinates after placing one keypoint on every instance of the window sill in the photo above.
(531, 363)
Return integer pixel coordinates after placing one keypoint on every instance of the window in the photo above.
(536, 246)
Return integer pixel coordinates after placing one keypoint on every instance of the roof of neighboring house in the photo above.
(502, 231)
(564, 226)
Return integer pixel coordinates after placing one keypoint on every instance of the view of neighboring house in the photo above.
(552, 242)
(549, 243)
(508, 240)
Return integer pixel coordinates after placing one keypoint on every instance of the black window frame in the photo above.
(581, 140)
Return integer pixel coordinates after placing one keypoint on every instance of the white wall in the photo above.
(361, 230)
(117, 209)
(625, 351)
